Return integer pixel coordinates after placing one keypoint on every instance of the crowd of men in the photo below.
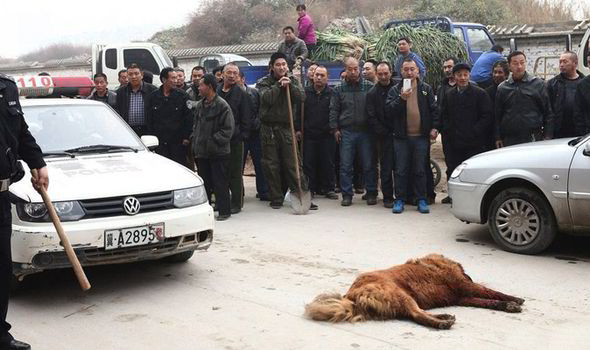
(375, 127)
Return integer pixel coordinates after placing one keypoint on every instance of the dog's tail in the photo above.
(332, 307)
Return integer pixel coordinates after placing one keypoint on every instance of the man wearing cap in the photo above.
(278, 163)
(465, 117)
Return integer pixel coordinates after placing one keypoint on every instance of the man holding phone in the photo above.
(413, 109)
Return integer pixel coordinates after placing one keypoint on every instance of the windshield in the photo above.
(65, 127)
(163, 56)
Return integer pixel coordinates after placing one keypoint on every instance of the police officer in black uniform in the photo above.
(15, 142)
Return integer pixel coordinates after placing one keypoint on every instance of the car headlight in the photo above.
(190, 196)
(37, 212)
(458, 170)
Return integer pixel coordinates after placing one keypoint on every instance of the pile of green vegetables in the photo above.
(430, 43)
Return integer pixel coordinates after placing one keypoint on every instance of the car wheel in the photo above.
(521, 221)
(180, 257)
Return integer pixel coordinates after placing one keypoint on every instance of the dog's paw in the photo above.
(445, 317)
(446, 324)
(519, 301)
(513, 307)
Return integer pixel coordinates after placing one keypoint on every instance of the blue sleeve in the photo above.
(421, 66)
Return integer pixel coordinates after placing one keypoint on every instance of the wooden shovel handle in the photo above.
(65, 242)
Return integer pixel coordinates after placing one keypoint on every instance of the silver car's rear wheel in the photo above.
(521, 221)
(517, 221)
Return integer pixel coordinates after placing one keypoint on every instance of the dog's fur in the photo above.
(405, 291)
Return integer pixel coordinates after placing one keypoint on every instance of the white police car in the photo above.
(118, 201)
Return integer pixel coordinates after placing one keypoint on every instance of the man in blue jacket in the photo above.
(404, 47)
(481, 73)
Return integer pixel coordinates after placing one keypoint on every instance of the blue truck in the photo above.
(475, 36)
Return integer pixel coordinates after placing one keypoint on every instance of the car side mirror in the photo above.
(150, 141)
(587, 149)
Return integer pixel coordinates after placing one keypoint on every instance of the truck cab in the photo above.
(110, 59)
(211, 62)
(584, 54)
(476, 37)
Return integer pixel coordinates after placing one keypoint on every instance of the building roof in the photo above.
(244, 49)
(543, 29)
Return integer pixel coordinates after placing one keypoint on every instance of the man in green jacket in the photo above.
(212, 132)
(275, 133)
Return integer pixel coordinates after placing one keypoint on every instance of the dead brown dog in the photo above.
(405, 291)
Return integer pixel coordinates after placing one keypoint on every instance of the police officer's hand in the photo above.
(499, 144)
(284, 81)
(337, 136)
(42, 179)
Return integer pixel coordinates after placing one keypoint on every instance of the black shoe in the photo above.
(276, 205)
(371, 200)
(332, 195)
(346, 201)
(313, 207)
(447, 200)
(223, 217)
(15, 345)
(263, 197)
(235, 210)
(388, 203)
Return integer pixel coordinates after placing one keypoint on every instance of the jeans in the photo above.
(410, 155)
(354, 142)
(253, 146)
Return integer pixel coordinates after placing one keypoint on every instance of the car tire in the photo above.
(180, 257)
(521, 221)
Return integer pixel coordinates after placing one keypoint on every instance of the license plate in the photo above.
(133, 236)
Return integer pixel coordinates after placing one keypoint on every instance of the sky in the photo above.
(38, 23)
(33, 24)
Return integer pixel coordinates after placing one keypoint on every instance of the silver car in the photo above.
(526, 193)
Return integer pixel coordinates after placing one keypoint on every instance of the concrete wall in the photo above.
(542, 51)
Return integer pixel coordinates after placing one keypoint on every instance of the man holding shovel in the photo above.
(15, 141)
(279, 93)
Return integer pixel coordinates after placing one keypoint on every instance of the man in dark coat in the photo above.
(465, 118)
(169, 118)
(500, 73)
(319, 145)
(562, 94)
(212, 132)
(380, 125)
(523, 112)
(413, 112)
(239, 101)
(132, 99)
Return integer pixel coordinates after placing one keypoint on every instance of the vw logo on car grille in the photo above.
(131, 205)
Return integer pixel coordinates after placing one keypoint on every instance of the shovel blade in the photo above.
(300, 202)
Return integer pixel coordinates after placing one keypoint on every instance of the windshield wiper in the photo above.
(100, 149)
(58, 154)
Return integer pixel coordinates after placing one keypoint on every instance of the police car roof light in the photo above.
(47, 86)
